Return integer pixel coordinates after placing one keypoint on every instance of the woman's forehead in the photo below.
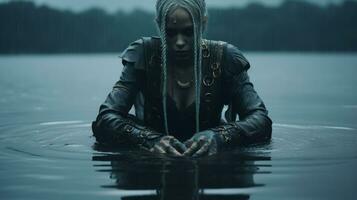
(179, 16)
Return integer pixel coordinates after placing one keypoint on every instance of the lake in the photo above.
(47, 151)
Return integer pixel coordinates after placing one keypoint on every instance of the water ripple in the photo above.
(60, 123)
(313, 127)
(48, 152)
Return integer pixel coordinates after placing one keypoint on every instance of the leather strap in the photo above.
(211, 86)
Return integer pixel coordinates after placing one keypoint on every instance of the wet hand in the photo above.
(170, 146)
(203, 143)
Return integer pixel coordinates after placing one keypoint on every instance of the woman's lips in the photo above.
(182, 54)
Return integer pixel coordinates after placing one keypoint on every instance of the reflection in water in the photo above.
(183, 178)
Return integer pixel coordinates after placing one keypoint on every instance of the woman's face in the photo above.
(180, 35)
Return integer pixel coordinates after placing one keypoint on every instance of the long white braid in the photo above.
(197, 10)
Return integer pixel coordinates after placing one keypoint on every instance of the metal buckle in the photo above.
(128, 128)
(215, 66)
(216, 73)
(208, 81)
(205, 51)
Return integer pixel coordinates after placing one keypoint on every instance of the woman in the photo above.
(179, 84)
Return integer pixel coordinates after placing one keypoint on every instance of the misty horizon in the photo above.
(112, 6)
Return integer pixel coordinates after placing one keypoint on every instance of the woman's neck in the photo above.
(181, 65)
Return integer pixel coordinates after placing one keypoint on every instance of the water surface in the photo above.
(47, 152)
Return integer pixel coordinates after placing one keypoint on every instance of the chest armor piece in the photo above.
(211, 86)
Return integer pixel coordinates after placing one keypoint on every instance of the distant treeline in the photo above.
(293, 26)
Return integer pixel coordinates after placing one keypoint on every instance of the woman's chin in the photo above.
(183, 57)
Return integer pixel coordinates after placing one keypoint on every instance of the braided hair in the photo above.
(198, 12)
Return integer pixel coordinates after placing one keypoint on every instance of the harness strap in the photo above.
(211, 85)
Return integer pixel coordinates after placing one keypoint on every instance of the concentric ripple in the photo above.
(43, 157)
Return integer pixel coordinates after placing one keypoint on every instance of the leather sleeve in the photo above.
(113, 124)
(253, 124)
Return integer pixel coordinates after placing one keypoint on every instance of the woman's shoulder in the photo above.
(234, 60)
(135, 52)
(131, 53)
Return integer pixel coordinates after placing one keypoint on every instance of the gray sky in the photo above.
(113, 5)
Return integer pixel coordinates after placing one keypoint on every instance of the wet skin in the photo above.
(180, 41)
(180, 37)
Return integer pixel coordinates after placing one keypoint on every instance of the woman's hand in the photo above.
(203, 143)
(169, 145)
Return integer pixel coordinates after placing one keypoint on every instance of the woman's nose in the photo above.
(180, 42)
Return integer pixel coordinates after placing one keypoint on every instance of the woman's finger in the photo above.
(179, 146)
(212, 150)
(172, 151)
(158, 149)
(188, 143)
(192, 149)
(202, 151)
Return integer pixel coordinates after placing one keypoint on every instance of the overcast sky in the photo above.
(113, 5)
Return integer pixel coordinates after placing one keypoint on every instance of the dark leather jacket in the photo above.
(233, 88)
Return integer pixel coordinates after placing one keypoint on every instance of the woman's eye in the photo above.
(170, 33)
(188, 32)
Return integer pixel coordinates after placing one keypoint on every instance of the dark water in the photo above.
(46, 150)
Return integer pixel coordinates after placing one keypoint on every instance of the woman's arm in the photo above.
(253, 125)
(115, 126)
